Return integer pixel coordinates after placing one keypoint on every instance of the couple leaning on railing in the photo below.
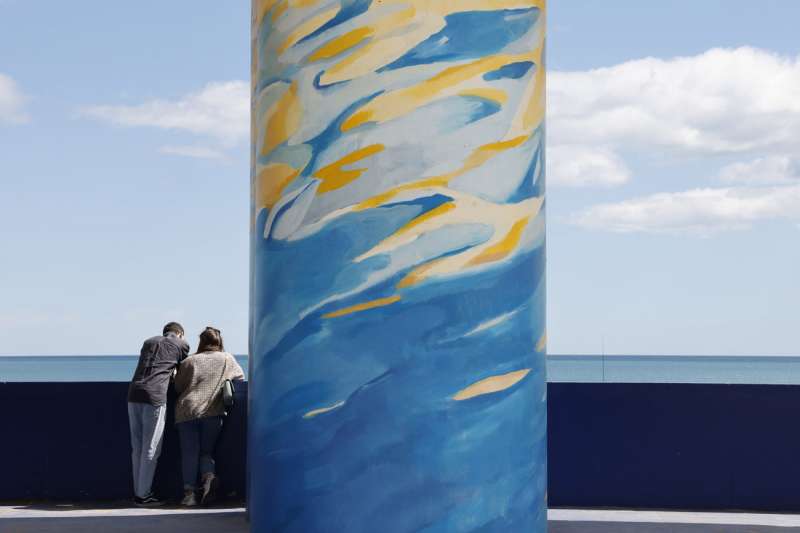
(204, 383)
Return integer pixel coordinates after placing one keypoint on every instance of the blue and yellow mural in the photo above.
(398, 317)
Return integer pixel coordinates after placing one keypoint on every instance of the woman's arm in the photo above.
(235, 372)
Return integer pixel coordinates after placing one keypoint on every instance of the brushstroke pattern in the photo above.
(397, 330)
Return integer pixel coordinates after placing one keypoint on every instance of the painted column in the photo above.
(398, 307)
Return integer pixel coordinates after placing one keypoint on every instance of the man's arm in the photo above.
(185, 348)
(184, 351)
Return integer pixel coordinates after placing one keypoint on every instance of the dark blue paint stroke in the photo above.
(513, 71)
(470, 34)
(318, 82)
(295, 399)
(349, 9)
(285, 77)
(427, 203)
(532, 185)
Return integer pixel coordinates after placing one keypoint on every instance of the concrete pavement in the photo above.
(119, 518)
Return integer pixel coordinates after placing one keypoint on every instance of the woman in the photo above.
(200, 410)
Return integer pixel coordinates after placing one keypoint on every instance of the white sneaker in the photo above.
(189, 499)
(210, 483)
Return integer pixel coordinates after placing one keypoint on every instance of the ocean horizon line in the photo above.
(607, 355)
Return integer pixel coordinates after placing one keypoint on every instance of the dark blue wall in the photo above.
(610, 445)
(70, 441)
(675, 446)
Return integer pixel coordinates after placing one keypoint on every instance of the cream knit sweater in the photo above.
(199, 384)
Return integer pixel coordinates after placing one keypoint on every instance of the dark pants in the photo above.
(198, 439)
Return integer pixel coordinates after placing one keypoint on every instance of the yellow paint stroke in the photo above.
(279, 10)
(334, 176)
(307, 28)
(401, 102)
(380, 302)
(385, 196)
(500, 146)
(503, 248)
(492, 385)
(271, 182)
(284, 5)
(340, 44)
(317, 412)
(487, 93)
(418, 274)
(283, 120)
(424, 217)
(542, 344)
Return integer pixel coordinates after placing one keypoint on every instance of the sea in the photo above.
(783, 370)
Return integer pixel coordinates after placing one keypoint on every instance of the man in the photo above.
(147, 406)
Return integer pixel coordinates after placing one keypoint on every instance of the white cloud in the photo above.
(724, 101)
(12, 101)
(579, 165)
(199, 152)
(700, 212)
(770, 170)
(220, 110)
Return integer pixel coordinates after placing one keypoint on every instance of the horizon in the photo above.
(549, 355)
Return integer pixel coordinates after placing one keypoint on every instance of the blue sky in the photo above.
(674, 186)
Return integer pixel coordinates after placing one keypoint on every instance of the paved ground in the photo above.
(109, 518)
(584, 521)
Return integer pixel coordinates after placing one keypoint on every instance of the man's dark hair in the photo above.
(173, 327)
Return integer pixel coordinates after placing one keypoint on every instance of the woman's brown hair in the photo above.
(210, 341)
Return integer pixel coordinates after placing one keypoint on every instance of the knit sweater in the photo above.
(199, 384)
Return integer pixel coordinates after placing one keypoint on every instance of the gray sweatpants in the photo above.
(147, 433)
